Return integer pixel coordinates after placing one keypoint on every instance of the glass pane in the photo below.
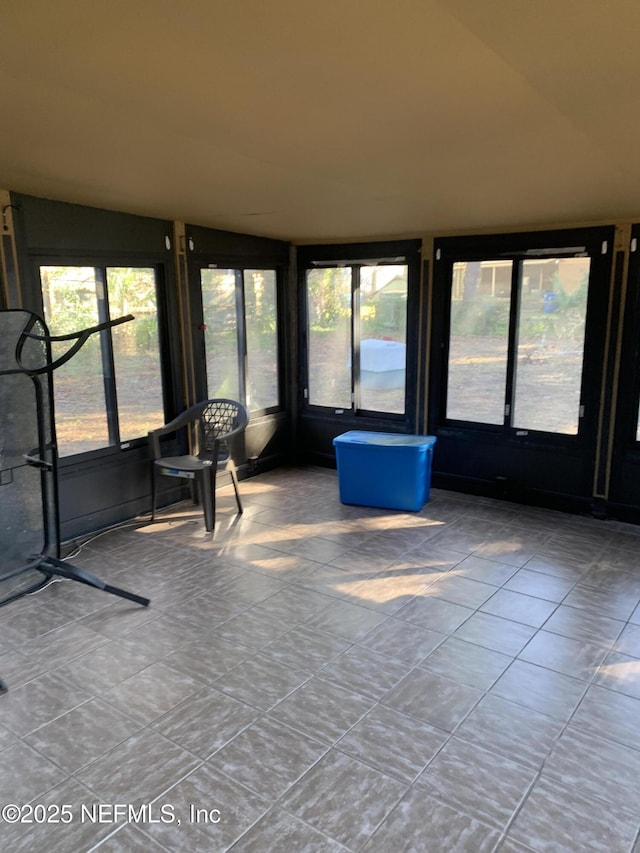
(478, 341)
(261, 314)
(221, 333)
(136, 350)
(329, 336)
(70, 296)
(383, 338)
(551, 324)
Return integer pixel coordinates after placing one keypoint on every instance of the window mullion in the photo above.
(355, 338)
(512, 347)
(241, 336)
(106, 350)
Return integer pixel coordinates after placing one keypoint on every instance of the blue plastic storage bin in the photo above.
(383, 469)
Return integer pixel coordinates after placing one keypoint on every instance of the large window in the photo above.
(240, 313)
(357, 336)
(110, 393)
(516, 342)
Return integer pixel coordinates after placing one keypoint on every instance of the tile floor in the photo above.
(317, 677)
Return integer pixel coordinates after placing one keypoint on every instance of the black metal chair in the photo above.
(211, 426)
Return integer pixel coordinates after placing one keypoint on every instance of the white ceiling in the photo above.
(333, 119)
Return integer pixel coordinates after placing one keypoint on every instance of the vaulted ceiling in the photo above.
(339, 119)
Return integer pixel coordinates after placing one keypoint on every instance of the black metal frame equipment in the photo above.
(29, 514)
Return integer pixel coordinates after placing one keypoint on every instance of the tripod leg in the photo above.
(53, 566)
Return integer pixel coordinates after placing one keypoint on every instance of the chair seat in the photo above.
(183, 463)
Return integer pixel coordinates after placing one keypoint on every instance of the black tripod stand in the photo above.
(29, 518)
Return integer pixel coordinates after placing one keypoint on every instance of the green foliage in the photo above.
(488, 315)
(482, 316)
(329, 297)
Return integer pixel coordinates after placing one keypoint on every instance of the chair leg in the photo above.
(207, 498)
(154, 488)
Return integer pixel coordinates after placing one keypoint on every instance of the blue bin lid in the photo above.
(386, 439)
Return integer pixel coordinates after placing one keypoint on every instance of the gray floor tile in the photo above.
(261, 681)
(278, 830)
(510, 846)
(510, 547)
(567, 569)
(7, 738)
(306, 648)
(402, 640)
(267, 757)
(322, 710)
(350, 817)
(208, 610)
(208, 658)
(63, 644)
(251, 587)
(394, 743)
(519, 607)
(365, 671)
(493, 632)
(349, 621)
(576, 658)
(162, 635)
(596, 766)
(516, 732)
(129, 839)
(629, 641)
(621, 673)
(435, 614)
(253, 629)
(556, 817)
(137, 770)
(541, 689)
(79, 833)
(400, 705)
(540, 585)
(420, 823)
(206, 721)
(16, 668)
(584, 625)
(151, 692)
(467, 663)
(434, 556)
(31, 774)
(602, 601)
(614, 715)
(619, 581)
(461, 590)
(480, 783)
(224, 810)
(486, 571)
(118, 618)
(294, 604)
(110, 664)
(390, 591)
(38, 702)
(80, 736)
(433, 699)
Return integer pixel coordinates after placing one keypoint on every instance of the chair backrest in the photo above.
(219, 421)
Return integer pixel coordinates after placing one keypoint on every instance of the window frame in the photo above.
(166, 343)
(357, 256)
(520, 247)
(199, 263)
